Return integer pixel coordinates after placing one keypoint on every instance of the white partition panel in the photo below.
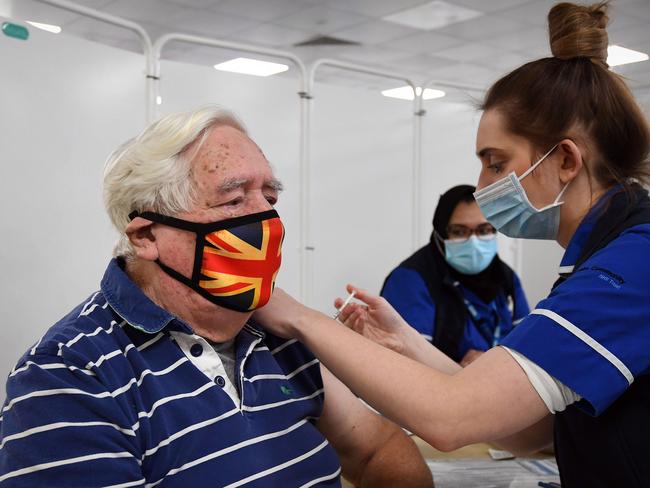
(449, 159)
(448, 147)
(66, 104)
(539, 268)
(361, 187)
(270, 110)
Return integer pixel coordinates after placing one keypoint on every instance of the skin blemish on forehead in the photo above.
(213, 157)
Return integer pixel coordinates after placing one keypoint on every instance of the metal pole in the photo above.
(452, 84)
(357, 68)
(308, 277)
(120, 22)
(306, 247)
(154, 61)
(419, 110)
(419, 113)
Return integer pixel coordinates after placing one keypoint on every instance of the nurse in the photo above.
(562, 145)
(455, 291)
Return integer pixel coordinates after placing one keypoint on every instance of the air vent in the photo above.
(325, 41)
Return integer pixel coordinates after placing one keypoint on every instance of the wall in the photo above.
(361, 183)
(66, 104)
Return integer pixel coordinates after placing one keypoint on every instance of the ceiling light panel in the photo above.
(619, 55)
(406, 93)
(55, 29)
(432, 15)
(250, 66)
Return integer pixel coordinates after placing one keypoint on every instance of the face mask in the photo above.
(472, 256)
(506, 206)
(236, 260)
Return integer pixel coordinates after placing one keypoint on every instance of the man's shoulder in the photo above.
(91, 322)
(291, 354)
(284, 349)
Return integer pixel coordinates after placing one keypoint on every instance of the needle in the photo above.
(345, 304)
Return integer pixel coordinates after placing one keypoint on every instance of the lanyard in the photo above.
(480, 322)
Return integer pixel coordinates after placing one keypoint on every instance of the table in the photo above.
(471, 452)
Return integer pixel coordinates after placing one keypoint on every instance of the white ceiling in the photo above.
(474, 52)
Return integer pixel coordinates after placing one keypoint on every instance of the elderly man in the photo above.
(160, 378)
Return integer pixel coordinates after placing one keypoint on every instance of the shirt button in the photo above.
(196, 350)
(220, 381)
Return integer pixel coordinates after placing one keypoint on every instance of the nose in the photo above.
(482, 181)
(259, 203)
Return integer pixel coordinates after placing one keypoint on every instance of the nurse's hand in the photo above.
(376, 320)
(283, 314)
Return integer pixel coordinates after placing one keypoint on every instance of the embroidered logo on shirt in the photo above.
(286, 391)
(612, 278)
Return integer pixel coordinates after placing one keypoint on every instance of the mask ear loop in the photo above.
(198, 256)
(557, 200)
(440, 242)
(196, 228)
(532, 168)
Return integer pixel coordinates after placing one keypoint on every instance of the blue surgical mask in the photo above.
(506, 206)
(472, 256)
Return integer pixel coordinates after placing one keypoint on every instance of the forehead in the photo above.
(227, 152)
(493, 134)
(491, 130)
(467, 213)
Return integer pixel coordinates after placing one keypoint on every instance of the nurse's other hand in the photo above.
(281, 316)
(375, 319)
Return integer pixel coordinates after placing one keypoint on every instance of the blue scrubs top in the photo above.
(407, 292)
(593, 331)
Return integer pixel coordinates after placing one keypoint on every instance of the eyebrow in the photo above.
(236, 183)
(274, 184)
(232, 184)
(484, 151)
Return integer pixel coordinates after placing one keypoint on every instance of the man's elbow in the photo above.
(397, 463)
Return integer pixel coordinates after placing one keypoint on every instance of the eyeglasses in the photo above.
(461, 233)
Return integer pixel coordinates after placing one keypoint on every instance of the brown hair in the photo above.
(544, 100)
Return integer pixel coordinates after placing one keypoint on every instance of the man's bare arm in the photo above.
(374, 452)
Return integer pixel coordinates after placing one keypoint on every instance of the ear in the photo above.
(571, 161)
(142, 238)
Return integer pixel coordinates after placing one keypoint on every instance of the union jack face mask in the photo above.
(236, 260)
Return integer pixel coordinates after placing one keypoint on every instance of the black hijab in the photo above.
(488, 283)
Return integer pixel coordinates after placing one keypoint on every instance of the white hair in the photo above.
(152, 171)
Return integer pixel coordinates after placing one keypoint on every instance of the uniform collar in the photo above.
(130, 303)
(582, 233)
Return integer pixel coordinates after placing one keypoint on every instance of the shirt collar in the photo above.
(254, 328)
(582, 233)
(130, 303)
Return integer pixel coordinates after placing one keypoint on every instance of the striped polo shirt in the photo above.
(121, 393)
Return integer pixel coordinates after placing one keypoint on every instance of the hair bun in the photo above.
(579, 31)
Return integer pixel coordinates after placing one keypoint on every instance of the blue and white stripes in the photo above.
(100, 403)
